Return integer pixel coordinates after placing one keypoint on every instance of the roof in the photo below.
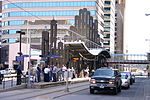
(79, 48)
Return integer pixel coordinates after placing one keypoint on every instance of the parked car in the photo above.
(138, 74)
(106, 80)
(125, 80)
(10, 70)
(129, 76)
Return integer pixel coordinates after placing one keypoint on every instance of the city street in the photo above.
(138, 91)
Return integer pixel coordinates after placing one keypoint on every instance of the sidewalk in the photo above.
(8, 86)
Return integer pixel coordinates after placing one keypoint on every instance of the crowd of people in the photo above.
(50, 73)
(46, 73)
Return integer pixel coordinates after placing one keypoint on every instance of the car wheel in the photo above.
(91, 91)
(115, 91)
(128, 86)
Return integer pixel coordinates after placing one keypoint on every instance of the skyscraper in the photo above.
(33, 16)
(109, 25)
(119, 26)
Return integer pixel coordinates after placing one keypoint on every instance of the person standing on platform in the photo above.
(54, 73)
(38, 73)
(46, 74)
(19, 73)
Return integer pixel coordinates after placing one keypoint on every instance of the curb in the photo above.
(52, 84)
(14, 88)
(43, 85)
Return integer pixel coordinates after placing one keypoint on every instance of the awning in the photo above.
(79, 48)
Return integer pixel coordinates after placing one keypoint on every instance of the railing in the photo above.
(10, 81)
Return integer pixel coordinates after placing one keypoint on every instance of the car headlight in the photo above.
(93, 81)
(111, 81)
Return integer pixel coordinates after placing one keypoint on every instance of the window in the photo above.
(106, 22)
(50, 4)
(47, 13)
(106, 35)
(106, 42)
(106, 29)
(106, 15)
(107, 9)
(107, 2)
(18, 22)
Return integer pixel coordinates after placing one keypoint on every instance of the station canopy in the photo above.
(79, 48)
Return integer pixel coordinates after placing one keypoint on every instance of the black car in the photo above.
(106, 80)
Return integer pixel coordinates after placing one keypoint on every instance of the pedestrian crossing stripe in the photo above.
(42, 98)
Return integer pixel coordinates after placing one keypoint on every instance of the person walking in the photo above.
(64, 69)
(19, 73)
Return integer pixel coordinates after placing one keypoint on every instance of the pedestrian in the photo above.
(38, 72)
(59, 73)
(64, 69)
(54, 73)
(73, 73)
(1, 73)
(46, 74)
(50, 73)
(19, 73)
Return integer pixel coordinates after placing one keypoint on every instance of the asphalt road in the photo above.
(138, 91)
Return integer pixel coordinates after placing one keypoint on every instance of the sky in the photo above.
(137, 26)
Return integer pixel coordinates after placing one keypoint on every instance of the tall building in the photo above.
(109, 25)
(119, 27)
(33, 16)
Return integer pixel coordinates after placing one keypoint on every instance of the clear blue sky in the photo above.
(137, 26)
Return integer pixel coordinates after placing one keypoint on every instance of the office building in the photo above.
(119, 27)
(109, 25)
(33, 16)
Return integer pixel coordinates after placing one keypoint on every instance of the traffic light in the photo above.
(75, 59)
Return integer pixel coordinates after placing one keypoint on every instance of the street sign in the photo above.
(19, 58)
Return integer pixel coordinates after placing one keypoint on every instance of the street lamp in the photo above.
(21, 33)
(20, 54)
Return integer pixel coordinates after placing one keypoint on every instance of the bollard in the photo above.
(4, 84)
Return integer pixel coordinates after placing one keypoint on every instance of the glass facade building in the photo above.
(34, 16)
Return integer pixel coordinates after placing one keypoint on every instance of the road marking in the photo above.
(42, 98)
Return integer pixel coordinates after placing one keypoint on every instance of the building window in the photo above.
(50, 4)
(46, 13)
(106, 35)
(18, 22)
(107, 9)
(107, 3)
(106, 29)
(106, 22)
(106, 42)
(12, 40)
(107, 16)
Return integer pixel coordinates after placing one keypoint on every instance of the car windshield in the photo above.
(104, 73)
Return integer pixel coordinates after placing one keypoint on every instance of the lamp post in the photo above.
(20, 64)
(21, 33)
